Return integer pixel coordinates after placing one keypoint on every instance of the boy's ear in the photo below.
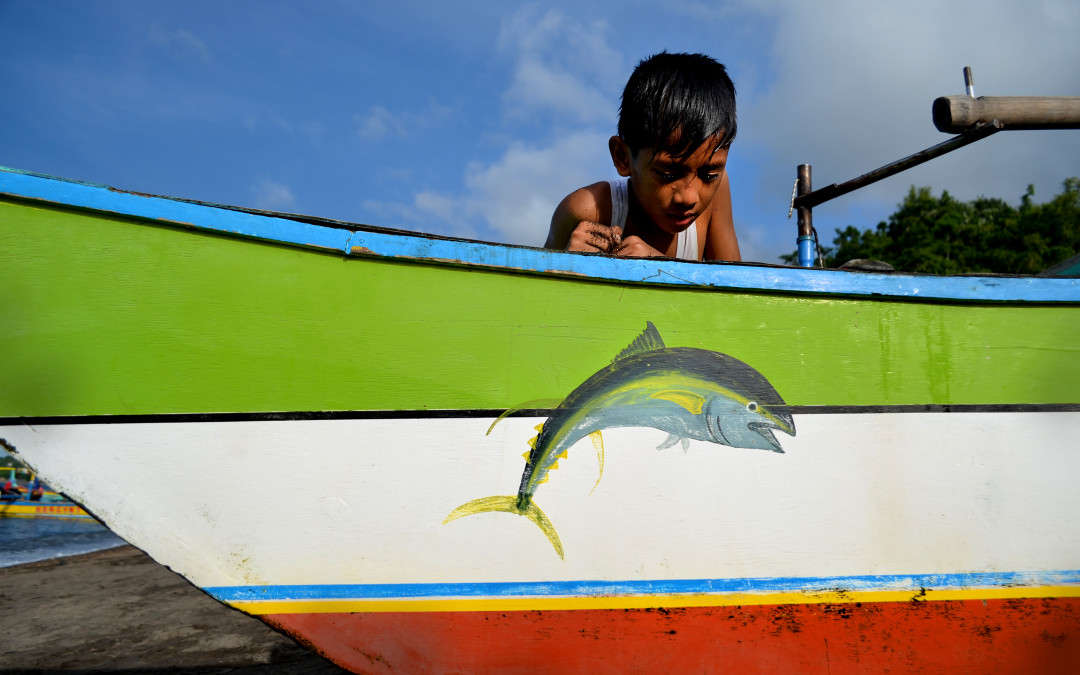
(620, 155)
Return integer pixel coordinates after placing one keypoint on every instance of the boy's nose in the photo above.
(686, 193)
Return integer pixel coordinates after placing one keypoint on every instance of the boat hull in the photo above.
(364, 569)
(24, 508)
(938, 636)
(295, 424)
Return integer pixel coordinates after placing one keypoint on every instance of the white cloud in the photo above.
(273, 196)
(566, 79)
(517, 194)
(562, 66)
(181, 43)
(538, 86)
(378, 123)
(511, 199)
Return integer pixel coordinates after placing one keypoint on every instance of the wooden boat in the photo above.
(25, 508)
(729, 467)
(48, 504)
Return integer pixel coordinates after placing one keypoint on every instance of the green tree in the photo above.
(941, 235)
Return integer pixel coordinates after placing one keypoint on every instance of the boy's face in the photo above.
(672, 192)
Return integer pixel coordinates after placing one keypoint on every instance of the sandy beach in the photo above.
(117, 611)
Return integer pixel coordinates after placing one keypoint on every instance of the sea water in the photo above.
(24, 540)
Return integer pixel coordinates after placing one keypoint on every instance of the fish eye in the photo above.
(752, 406)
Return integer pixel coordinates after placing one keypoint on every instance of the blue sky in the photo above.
(474, 119)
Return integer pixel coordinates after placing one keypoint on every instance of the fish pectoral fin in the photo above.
(535, 403)
(508, 504)
(692, 402)
(598, 442)
(672, 439)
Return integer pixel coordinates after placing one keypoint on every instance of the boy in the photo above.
(676, 123)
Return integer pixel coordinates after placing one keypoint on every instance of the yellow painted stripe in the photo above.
(647, 601)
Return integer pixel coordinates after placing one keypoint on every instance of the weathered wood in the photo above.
(955, 114)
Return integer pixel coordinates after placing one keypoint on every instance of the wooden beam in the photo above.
(955, 114)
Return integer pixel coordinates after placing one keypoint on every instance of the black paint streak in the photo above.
(303, 415)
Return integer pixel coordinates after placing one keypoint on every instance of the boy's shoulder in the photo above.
(591, 203)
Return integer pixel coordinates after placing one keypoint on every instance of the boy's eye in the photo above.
(666, 177)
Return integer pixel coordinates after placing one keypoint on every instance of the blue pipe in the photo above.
(807, 250)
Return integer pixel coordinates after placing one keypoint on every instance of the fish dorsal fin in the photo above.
(648, 341)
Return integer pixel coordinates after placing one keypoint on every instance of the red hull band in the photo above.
(970, 636)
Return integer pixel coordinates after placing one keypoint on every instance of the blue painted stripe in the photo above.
(894, 582)
(171, 211)
(666, 272)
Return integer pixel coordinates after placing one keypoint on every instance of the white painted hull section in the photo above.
(362, 501)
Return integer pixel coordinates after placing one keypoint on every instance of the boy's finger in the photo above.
(600, 237)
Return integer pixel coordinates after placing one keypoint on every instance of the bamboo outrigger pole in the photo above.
(955, 114)
(971, 118)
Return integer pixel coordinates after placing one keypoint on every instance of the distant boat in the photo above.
(727, 467)
(23, 502)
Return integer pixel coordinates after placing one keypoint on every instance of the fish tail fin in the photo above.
(509, 504)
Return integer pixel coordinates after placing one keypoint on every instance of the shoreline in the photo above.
(60, 556)
(117, 611)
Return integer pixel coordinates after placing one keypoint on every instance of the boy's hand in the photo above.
(594, 237)
(634, 247)
(597, 238)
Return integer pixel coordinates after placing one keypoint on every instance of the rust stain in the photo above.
(361, 250)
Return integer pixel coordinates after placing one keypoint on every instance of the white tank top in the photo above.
(620, 206)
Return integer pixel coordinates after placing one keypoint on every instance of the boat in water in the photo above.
(34, 499)
(523, 460)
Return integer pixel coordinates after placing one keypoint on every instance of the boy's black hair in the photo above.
(688, 94)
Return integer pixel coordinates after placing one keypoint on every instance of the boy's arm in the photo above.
(720, 240)
(576, 224)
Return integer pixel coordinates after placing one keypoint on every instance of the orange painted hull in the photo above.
(1039, 635)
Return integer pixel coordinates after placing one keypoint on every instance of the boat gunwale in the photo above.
(361, 241)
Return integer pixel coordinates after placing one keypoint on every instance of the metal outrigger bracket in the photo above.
(973, 119)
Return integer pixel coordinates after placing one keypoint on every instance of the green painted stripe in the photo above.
(107, 315)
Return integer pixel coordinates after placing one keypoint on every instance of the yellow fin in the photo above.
(687, 399)
(535, 403)
(508, 504)
(598, 443)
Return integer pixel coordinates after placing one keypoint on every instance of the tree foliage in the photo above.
(941, 235)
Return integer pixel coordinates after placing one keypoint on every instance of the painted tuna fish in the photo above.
(689, 393)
